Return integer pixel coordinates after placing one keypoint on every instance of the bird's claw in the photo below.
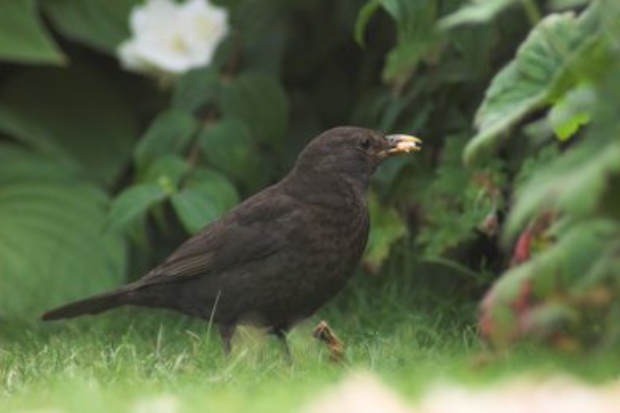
(324, 333)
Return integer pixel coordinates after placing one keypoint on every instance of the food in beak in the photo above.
(403, 144)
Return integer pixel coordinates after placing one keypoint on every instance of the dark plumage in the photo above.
(280, 255)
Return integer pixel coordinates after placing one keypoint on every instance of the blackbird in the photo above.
(277, 257)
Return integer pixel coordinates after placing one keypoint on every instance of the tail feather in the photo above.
(92, 305)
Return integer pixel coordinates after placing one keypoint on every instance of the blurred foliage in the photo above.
(103, 172)
(562, 287)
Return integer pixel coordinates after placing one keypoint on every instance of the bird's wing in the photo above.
(254, 230)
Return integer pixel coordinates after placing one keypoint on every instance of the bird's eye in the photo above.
(365, 144)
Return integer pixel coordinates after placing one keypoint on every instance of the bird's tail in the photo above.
(92, 305)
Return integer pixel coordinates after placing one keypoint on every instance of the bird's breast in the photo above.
(332, 245)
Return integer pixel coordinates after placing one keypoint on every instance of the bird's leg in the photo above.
(226, 332)
(324, 333)
(281, 335)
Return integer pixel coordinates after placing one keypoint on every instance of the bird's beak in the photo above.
(398, 144)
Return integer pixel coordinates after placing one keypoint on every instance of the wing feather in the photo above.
(250, 232)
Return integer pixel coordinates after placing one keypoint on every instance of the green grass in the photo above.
(117, 361)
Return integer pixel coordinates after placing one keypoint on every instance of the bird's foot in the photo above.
(227, 332)
(324, 333)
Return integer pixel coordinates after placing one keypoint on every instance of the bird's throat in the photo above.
(327, 189)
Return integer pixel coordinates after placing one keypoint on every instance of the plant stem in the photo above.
(532, 11)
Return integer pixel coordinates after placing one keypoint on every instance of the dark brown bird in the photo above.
(278, 256)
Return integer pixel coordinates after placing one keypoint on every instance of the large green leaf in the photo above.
(261, 103)
(52, 247)
(530, 81)
(205, 196)
(568, 288)
(581, 182)
(23, 38)
(76, 116)
(17, 161)
(101, 24)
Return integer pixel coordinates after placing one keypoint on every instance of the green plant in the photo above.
(565, 291)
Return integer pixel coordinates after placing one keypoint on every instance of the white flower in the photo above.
(169, 38)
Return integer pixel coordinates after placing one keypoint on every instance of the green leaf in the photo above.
(416, 32)
(529, 82)
(567, 4)
(132, 204)
(23, 39)
(508, 100)
(603, 270)
(387, 227)
(363, 18)
(17, 161)
(75, 116)
(572, 112)
(205, 196)
(261, 103)
(100, 24)
(195, 89)
(475, 12)
(582, 181)
(228, 146)
(578, 267)
(169, 133)
(52, 247)
(166, 170)
(575, 183)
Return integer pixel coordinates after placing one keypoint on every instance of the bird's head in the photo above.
(352, 153)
